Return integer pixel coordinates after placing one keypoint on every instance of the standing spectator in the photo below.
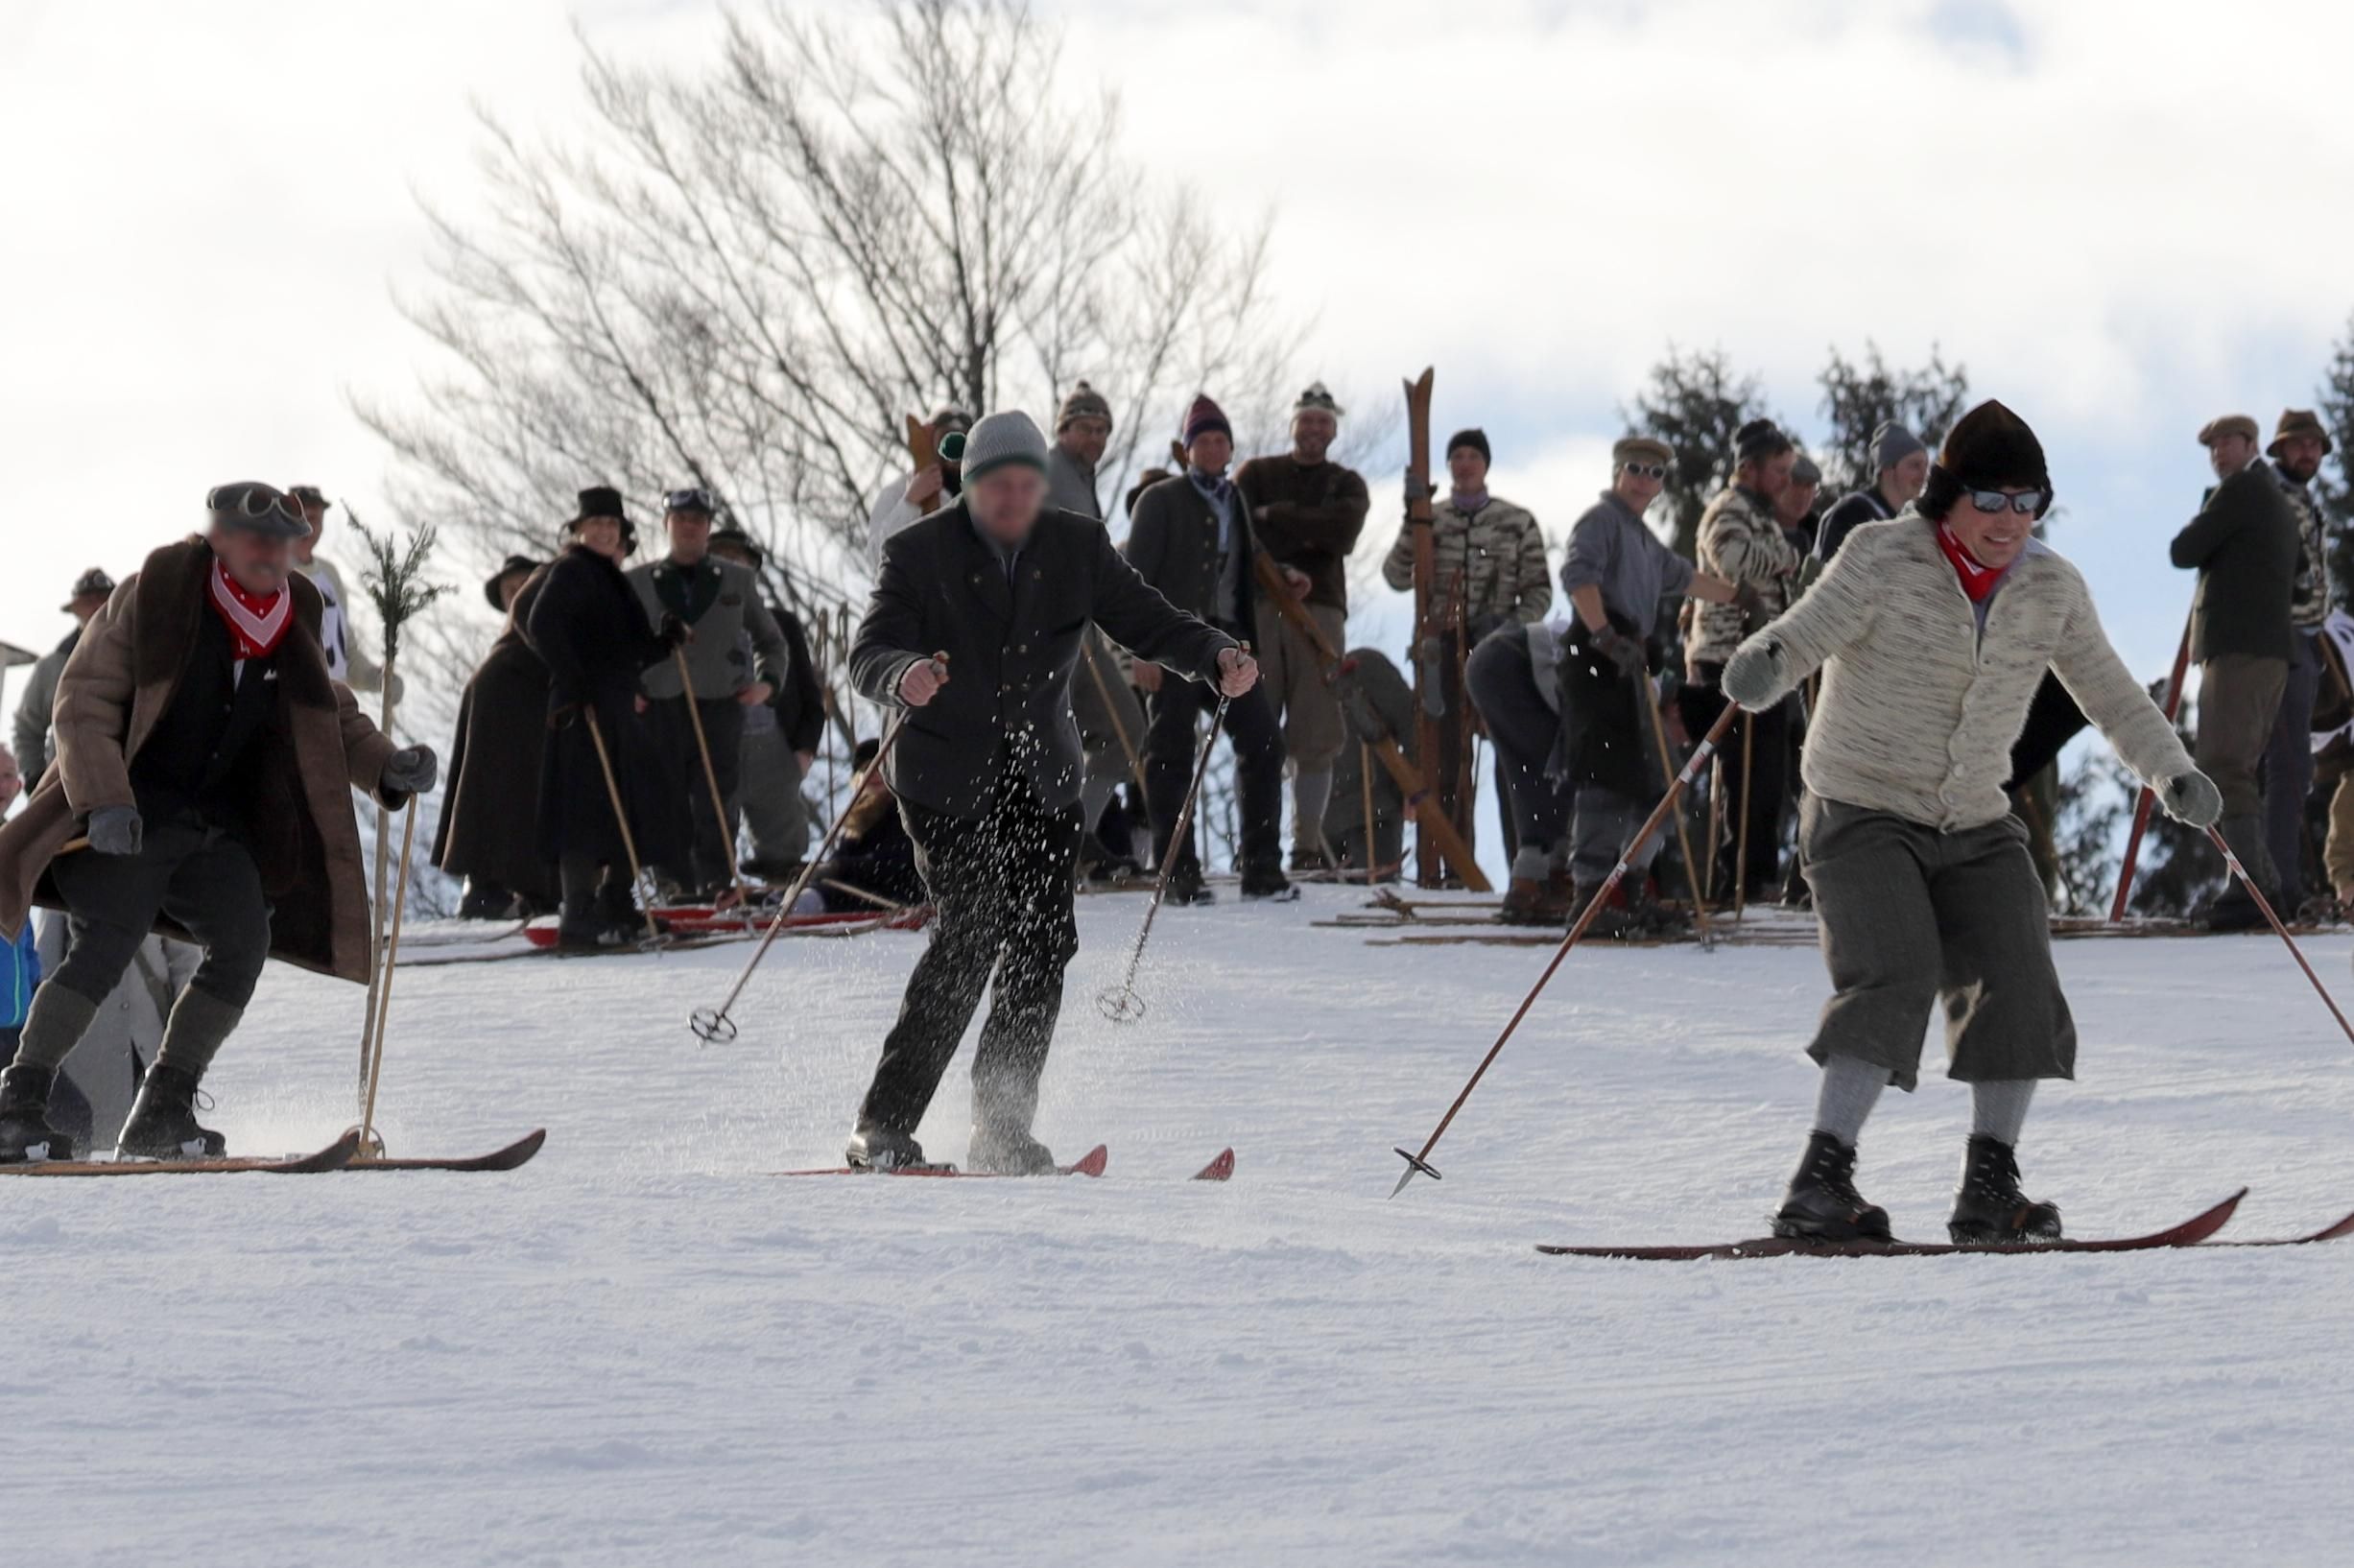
(1566, 705)
(2244, 544)
(780, 737)
(719, 601)
(1487, 571)
(908, 497)
(21, 959)
(1191, 537)
(1741, 543)
(589, 627)
(2299, 443)
(1111, 721)
(1794, 509)
(347, 661)
(1902, 463)
(35, 749)
(489, 831)
(1310, 512)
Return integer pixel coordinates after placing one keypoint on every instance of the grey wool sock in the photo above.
(55, 1026)
(1998, 1108)
(200, 1022)
(1531, 864)
(1850, 1089)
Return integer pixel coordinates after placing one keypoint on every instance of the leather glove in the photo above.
(1756, 675)
(2191, 797)
(115, 830)
(1619, 649)
(564, 716)
(412, 769)
(674, 631)
(1747, 596)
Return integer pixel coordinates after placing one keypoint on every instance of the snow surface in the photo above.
(642, 1350)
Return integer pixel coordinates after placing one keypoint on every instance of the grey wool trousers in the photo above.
(1912, 916)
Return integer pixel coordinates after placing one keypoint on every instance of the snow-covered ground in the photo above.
(642, 1350)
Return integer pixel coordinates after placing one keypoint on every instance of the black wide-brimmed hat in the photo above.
(605, 501)
(736, 536)
(507, 569)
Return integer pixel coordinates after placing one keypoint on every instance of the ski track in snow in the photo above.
(640, 1350)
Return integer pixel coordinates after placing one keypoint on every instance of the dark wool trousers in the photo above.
(1769, 752)
(1912, 916)
(1171, 748)
(1001, 884)
(684, 782)
(1526, 732)
(2287, 772)
(199, 876)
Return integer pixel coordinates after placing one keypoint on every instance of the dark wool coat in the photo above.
(1012, 648)
(591, 632)
(800, 701)
(1173, 543)
(294, 780)
(2246, 543)
(491, 817)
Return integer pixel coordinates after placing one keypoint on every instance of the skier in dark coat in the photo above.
(591, 632)
(987, 767)
(488, 832)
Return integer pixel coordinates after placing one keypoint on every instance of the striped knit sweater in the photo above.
(1919, 709)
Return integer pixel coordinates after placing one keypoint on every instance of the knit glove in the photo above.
(1619, 649)
(412, 769)
(115, 830)
(1755, 675)
(2192, 797)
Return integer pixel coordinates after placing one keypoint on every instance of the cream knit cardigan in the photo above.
(1919, 709)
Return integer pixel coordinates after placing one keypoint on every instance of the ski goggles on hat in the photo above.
(256, 506)
(1646, 471)
(2027, 503)
(691, 500)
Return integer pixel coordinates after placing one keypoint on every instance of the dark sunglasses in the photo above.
(2027, 505)
(1646, 471)
(689, 501)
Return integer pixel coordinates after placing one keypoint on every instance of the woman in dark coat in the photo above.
(590, 631)
(490, 830)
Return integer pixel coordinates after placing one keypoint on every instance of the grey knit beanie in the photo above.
(1008, 437)
(1892, 444)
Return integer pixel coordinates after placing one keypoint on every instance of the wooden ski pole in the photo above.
(621, 819)
(1120, 1004)
(1740, 841)
(1420, 1163)
(1683, 829)
(2281, 931)
(369, 1147)
(1372, 841)
(1716, 824)
(710, 773)
(714, 1024)
(2149, 798)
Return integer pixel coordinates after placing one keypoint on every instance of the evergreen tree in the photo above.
(1694, 402)
(1861, 395)
(2335, 483)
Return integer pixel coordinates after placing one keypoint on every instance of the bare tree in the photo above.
(749, 270)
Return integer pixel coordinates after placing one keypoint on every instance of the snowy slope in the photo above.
(639, 1350)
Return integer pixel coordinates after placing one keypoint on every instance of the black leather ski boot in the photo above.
(25, 1133)
(1989, 1210)
(1823, 1204)
(162, 1123)
(1008, 1151)
(874, 1146)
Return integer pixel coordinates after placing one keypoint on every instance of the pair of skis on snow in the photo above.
(1092, 1163)
(343, 1155)
(2196, 1231)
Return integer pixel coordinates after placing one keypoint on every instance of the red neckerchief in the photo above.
(256, 623)
(1978, 580)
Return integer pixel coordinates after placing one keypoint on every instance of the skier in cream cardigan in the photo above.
(1932, 632)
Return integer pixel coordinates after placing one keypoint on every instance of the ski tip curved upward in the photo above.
(1091, 1163)
(1218, 1169)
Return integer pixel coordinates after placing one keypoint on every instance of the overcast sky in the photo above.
(2121, 217)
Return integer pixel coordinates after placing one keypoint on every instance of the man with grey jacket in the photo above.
(35, 749)
(720, 601)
